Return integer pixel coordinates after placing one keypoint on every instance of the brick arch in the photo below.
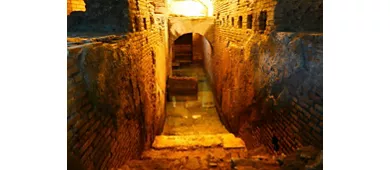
(75, 5)
(207, 39)
(180, 26)
(204, 35)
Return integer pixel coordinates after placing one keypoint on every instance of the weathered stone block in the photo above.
(73, 70)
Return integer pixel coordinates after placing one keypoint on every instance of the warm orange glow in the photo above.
(75, 5)
(188, 8)
(191, 8)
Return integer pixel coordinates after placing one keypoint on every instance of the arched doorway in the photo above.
(190, 48)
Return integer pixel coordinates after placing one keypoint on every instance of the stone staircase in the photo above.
(194, 138)
(190, 152)
(200, 152)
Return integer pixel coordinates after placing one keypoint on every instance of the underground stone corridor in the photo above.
(221, 85)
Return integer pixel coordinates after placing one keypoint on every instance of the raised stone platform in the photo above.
(226, 141)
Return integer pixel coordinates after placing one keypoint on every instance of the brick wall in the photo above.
(68, 7)
(75, 5)
(101, 130)
(288, 92)
(116, 98)
(268, 84)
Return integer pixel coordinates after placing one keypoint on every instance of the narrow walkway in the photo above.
(193, 116)
(194, 122)
(193, 136)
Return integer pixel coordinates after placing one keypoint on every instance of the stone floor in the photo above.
(193, 117)
(194, 137)
(202, 158)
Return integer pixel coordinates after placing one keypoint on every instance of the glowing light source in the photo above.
(188, 8)
(191, 7)
(196, 116)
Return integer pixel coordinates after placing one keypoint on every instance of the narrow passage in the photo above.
(193, 135)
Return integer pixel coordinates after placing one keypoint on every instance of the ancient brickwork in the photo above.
(288, 92)
(68, 7)
(75, 5)
(98, 130)
(116, 98)
(228, 13)
(294, 15)
(268, 84)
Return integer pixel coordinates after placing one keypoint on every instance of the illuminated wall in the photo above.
(191, 7)
(75, 5)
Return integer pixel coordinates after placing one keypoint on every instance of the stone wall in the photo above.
(292, 16)
(267, 84)
(116, 96)
(201, 47)
(102, 132)
(75, 5)
(182, 85)
(197, 51)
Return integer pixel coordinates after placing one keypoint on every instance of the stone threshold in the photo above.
(226, 141)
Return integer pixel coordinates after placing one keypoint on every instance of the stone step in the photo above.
(254, 163)
(200, 159)
(226, 141)
(203, 153)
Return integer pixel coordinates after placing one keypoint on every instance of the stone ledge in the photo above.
(79, 40)
(217, 153)
(80, 45)
(227, 141)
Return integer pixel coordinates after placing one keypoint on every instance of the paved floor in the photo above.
(192, 117)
